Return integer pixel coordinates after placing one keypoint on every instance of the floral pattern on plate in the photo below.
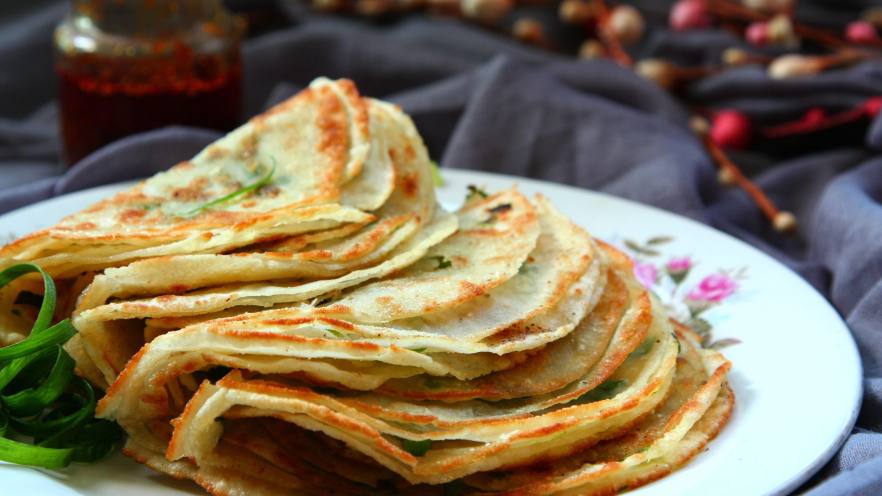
(688, 292)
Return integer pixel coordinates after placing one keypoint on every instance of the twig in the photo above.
(730, 173)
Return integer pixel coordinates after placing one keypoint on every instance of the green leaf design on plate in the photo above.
(659, 240)
(678, 276)
(723, 343)
(701, 326)
(641, 249)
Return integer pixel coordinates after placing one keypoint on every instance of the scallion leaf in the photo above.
(244, 190)
(417, 448)
(47, 309)
(34, 400)
(15, 367)
(603, 391)
(443, 263)
(475, 193)
(436, 174)
(334, 332)
(41, 397)
(57, 334)
(38, 456)
(643, 348)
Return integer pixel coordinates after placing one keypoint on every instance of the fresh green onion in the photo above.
(643, 348)
(475, 193)
(417, 448)
(443, 263)
(57, 334)
(34, 400)
(603, 391)
(244, 190)
(38, 456)
(41, 398)
(432, 383)
(334, 332)
(436, 173)
(47, 427)
(96, 441)
(11, 370)
(47, 309)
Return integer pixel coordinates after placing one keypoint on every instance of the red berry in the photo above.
(861, 32)
(757, 33)
(814, 116)
(690, 14)
(873, 105)
(730, 129)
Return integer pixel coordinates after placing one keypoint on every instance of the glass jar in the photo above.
(127, 66)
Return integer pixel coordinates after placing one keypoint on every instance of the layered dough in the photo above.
(336, 331)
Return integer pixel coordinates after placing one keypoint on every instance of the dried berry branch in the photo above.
(730, 173)
(608, 35)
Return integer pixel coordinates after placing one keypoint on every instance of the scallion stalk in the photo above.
(40, 405)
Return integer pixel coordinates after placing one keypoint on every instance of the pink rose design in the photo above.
(714, 288)
(679, 264)
(646, 273)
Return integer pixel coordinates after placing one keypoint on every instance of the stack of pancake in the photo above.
(290, 312)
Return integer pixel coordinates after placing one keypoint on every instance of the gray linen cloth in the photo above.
(484, 102)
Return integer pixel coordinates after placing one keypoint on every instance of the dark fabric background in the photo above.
(484, 102)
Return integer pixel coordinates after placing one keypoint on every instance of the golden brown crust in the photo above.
(507, 355)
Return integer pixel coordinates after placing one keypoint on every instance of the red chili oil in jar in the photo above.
(127, 66)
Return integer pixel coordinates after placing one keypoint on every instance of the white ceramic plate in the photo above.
(796, 371)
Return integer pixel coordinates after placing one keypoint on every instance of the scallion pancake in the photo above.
(291, 312)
